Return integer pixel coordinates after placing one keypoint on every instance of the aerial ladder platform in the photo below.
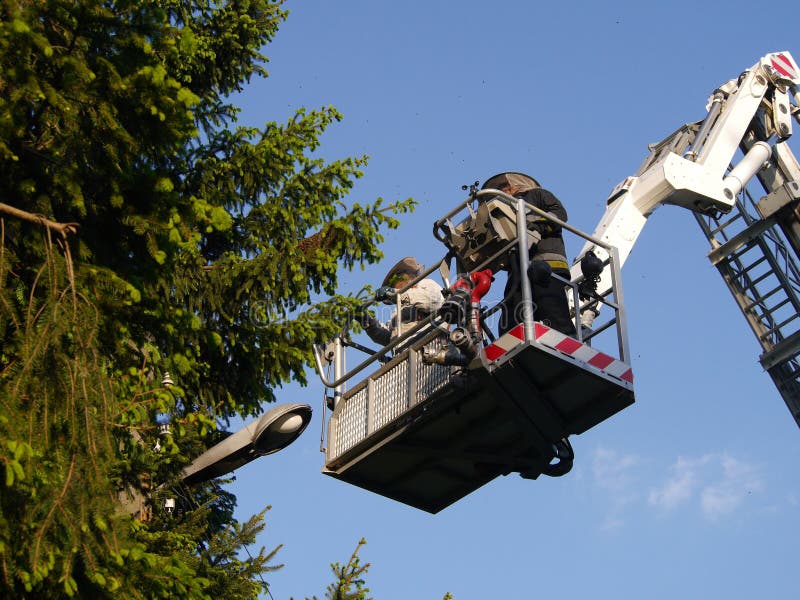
(448, 406)
(454, 406)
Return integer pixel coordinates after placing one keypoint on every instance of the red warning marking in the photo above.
(568, 345)
(601, 361)
(783, 65)
(494, 352)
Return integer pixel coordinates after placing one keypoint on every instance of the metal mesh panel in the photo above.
(390, 398)
(351, 424)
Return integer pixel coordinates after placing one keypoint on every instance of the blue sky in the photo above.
(693, 491)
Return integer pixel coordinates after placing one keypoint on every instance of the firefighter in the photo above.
(548, 256)
(415, 303)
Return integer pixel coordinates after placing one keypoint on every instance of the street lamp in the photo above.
(273, 431)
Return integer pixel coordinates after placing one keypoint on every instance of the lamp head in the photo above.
(279, 427)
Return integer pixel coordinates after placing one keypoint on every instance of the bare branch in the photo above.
(62, 229)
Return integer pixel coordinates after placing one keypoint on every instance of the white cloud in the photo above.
(612, 470)
(679, 487)
(614, 473)
(717, 482)
(612, 521)
(724, 496)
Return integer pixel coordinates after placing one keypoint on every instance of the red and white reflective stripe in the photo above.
(563, 343)
(505, 343)
(784, 65)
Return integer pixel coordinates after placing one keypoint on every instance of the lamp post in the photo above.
(273, 431)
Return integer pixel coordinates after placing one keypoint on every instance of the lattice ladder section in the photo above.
(757, 258)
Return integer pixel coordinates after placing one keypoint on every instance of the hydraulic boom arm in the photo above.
(705, 167)
(690, 168)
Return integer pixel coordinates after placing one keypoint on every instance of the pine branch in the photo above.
(56, 504)
(322, 240)
(349, 584)
(63, 229)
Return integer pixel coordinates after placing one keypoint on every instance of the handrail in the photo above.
(512, 202)
(522, 208)
(432, 319)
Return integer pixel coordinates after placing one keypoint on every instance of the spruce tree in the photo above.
(145, 232)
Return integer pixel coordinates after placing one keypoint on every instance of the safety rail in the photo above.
(333, 353)
(521, 207)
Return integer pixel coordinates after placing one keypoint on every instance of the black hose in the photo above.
(565, 455)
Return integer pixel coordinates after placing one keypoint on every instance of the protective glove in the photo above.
(363, 316)
(386, 294)
(367, 320)
(544, 227)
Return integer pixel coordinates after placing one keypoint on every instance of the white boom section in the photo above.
(697, 177)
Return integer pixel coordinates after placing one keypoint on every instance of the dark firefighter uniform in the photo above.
(549, 296)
